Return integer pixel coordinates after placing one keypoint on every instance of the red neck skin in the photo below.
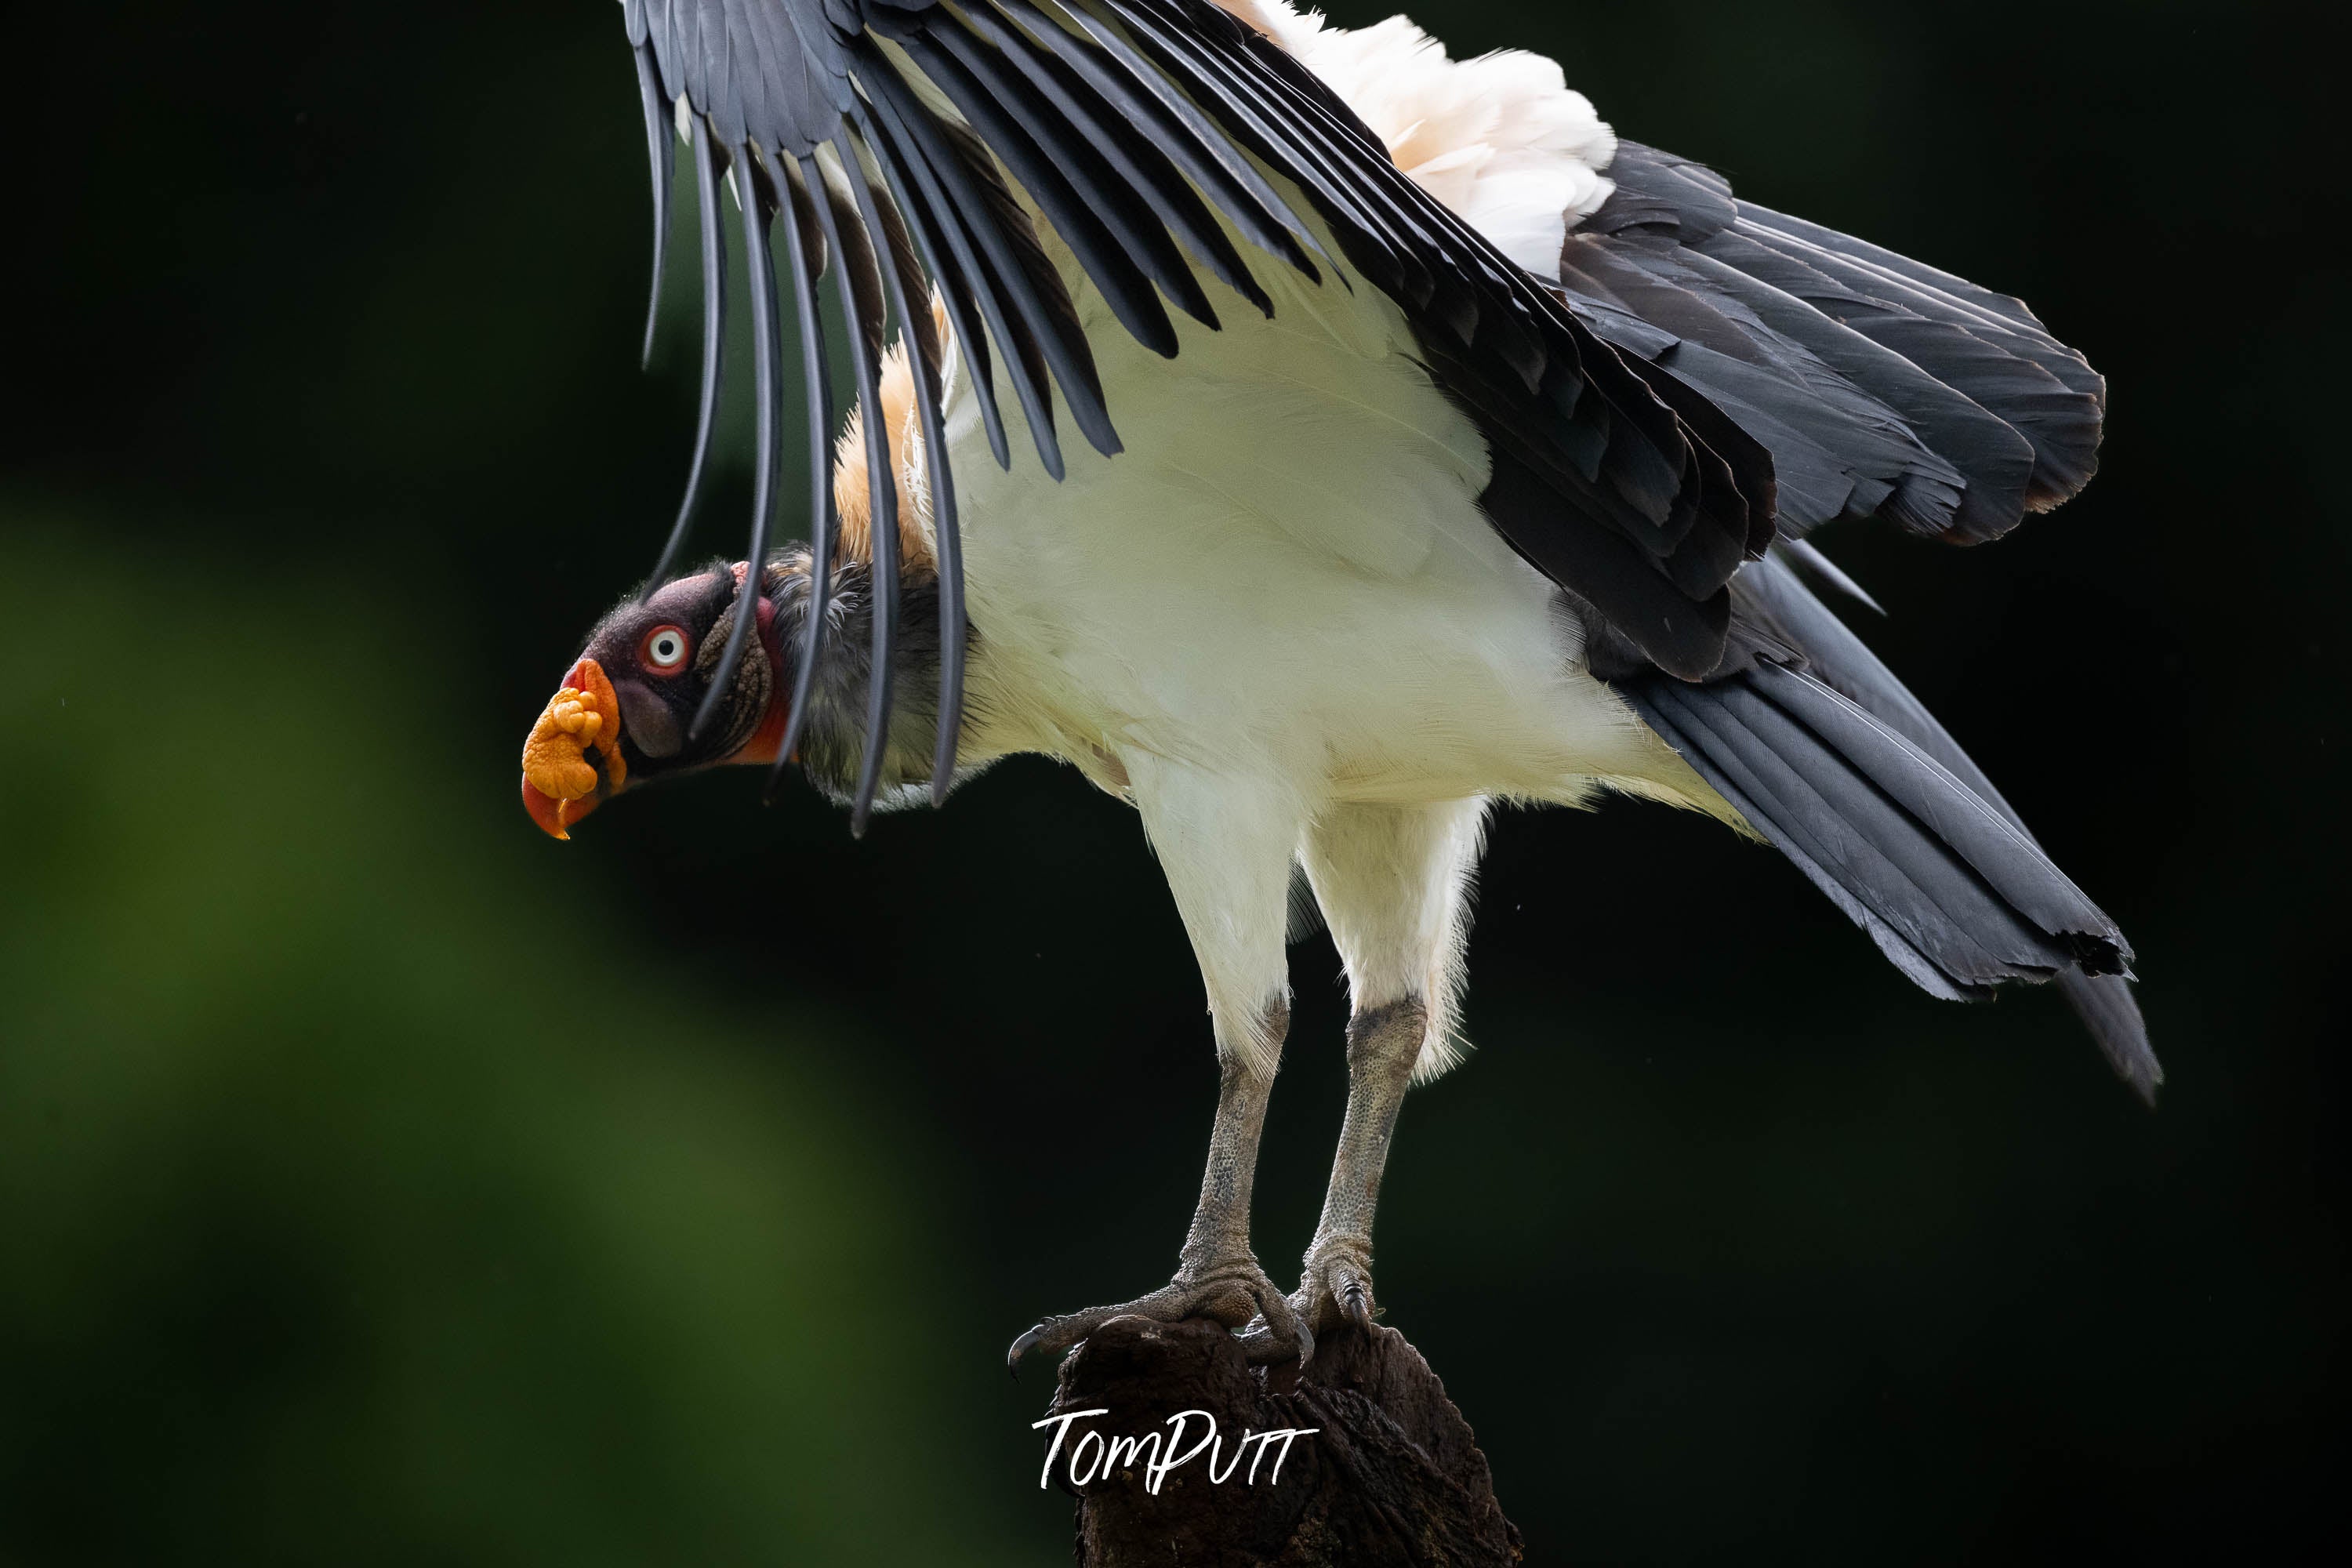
(762, 746)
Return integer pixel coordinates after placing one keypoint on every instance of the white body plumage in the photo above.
(1278, 622)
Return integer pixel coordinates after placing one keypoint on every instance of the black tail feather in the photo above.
(2105, 1004)
(1850, 776)
(1922, 971)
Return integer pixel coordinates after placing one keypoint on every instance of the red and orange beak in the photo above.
(559, 784)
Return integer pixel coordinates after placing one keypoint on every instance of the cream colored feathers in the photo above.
(852, 497)
(1501, 139)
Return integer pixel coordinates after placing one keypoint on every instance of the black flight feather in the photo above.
(864, 304)
(1244, 118)
(1838, 451)
(1841, 660)
(661, 152)
(865, 338)
(2042, 390)
(907, 279)
(1137, 163)
(1112, 265)
(706, 161)
(1044, 318)
(913, 310)
(1821, 749)
(1968, 375)
(1176, 128)
(759, 201)
(825, 522)
(932, 239)
(1682, 732)
(1111, 197)
(941, 213)
(1993, 460)
(1831, 806)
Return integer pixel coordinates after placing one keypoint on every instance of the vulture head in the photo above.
(625, 711)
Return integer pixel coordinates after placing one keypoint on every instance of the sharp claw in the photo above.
(1221, 1298)
(1022, 1347)
(1356, 1301)
(1265, 1343)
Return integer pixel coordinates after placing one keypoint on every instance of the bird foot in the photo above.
(1335, 1289)
(1337, 1286)
(1235, 1292)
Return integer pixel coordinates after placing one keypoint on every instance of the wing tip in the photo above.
(2110, 1013)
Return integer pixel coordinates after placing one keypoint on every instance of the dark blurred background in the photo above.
(380, 1182)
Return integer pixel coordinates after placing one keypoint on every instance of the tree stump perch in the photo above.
(1384, 1472)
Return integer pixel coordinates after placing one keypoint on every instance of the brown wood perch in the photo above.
(1387, 1473)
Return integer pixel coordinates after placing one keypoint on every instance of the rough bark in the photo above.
(1390, 1474)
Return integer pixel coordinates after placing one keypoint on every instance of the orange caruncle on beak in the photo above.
(559, 783)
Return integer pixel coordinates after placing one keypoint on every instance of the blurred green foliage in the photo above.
(365, 1203)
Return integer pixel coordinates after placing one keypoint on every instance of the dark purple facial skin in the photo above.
(660, 655)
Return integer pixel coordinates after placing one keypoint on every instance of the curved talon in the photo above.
(1263, 1344)
(1286, 1334)
(1228, 1295)
(1337, 1287)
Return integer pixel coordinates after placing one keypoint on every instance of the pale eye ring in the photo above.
(665, 650)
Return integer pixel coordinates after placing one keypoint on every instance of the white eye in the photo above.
(665, 650)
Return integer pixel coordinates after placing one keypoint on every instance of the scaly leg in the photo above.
(1226, 848)
(1393, 882)
(1217, 1275)
(1382, 1045)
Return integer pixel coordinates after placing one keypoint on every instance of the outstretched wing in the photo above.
(1881, 387)
(894, 131)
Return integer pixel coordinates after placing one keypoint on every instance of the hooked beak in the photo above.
(560, 784)
(554, 815)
